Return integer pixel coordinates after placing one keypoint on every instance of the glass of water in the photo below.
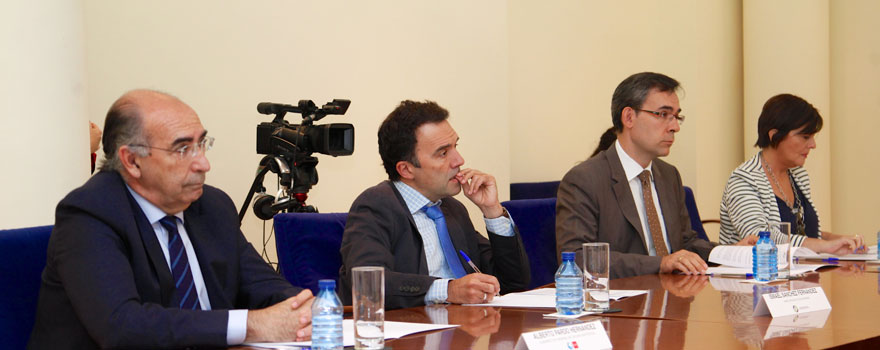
(782, 230)
(368, 296)
(596, 276)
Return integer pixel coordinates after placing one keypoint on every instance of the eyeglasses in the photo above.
(666, 116)
(191, 150)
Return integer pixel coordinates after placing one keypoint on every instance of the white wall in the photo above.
(44, 136)
(521, 79)
(224, 59)
(567, 59)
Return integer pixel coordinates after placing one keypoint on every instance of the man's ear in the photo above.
(405, 169)
(130, 161)
(627, 117)
(772, 133)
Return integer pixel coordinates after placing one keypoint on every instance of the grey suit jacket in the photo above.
(595, 204)
(380, 231)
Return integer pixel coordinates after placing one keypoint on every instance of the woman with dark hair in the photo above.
(773, 186)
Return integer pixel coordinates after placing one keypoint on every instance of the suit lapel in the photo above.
(413, 229)
(153, 251)
(623, 193)
(199, 232)
(666, 197)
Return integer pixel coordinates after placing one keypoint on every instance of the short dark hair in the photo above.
(633, 91)
(397, 134)
(786, 112)
(123, 126)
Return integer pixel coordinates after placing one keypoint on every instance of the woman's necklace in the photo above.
(776, 182)
(796, 208)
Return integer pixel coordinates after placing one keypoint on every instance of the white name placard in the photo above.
(588, 335)
(792, 302)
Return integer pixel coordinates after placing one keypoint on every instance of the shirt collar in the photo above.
(151, 211)
(414, 199)
(631, 168)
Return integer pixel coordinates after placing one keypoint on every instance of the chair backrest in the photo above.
(536, 220)
(696, 223)
(308, 247)
(533, 190)
(22, 259)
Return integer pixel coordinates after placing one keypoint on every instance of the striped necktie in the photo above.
(185, 293)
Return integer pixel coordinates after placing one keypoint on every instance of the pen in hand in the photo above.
(471, 263)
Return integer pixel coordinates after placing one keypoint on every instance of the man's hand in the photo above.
(749, 240)
(474, 288)
(684, 261)
(289, 320)
(480, 188)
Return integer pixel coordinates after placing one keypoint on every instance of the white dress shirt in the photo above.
(632, 169)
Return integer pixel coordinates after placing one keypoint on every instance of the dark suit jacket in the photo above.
(106, 282)
(595, 204)
(380, 231)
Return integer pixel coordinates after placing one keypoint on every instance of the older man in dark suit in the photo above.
(145, 255)
(413, 227)
(626, 196)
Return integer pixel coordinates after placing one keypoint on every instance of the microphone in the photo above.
(275, 108)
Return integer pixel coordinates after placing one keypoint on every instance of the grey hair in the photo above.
(123, 126)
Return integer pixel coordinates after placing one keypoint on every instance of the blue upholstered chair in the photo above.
(536, 220)
(694, 214)
(533, 190)
(308, 247)
(22, 259)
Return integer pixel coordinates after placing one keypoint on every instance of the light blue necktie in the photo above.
(185, 293)
(452, 260)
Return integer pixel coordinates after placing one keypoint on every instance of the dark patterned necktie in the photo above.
(445, 242)
(651, 211)
(185, 289)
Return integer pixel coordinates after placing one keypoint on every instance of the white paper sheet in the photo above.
(546, 298)
(393, 330)
(741, 256)
(807, 253)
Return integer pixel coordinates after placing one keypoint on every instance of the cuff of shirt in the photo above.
(236, 327)
(437, 293)
(502, 226)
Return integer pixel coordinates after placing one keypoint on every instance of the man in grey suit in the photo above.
(626, 196)
(411, 225)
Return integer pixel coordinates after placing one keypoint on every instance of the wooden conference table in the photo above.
(681, 312)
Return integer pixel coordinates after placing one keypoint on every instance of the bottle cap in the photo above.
(326, 283)
(567, 255)
(764, 234)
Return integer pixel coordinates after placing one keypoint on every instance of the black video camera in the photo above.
(288, 149)
(280, 137)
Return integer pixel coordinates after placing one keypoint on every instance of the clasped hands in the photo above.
(289, 320)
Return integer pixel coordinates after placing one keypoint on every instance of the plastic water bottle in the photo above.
(764, 265)
(569, 286)
(878, 245)
(327, 317)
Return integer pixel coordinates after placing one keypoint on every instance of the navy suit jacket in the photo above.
(380, 231)
(106, 282)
